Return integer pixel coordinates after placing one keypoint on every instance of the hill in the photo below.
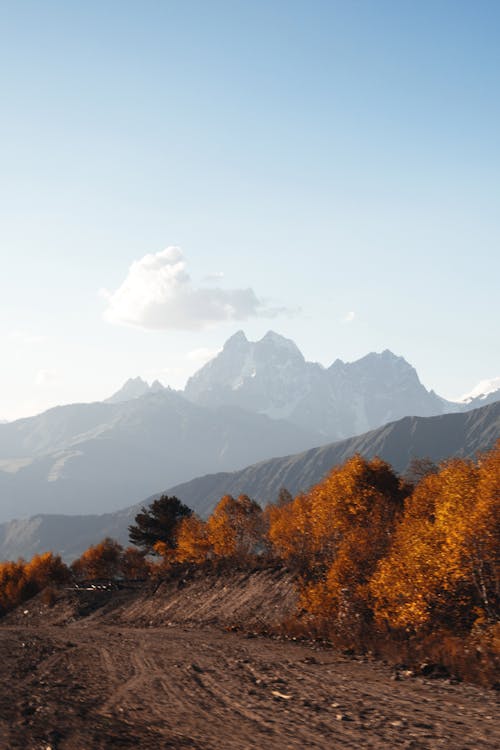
(461, 434)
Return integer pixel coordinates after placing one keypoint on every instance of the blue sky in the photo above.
(339, 159)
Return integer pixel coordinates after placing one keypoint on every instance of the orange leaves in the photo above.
(192, 543)
(20, 580)
(45, 569)
(443, 565)
(235, 527)
(290, 531)
(313, 529)
(14, 584)
(100, 561)
(336, 534)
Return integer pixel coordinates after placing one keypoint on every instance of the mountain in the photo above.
(440, 437)
(132, 388)
(272, 377)
(253, 401)
(437, 438)
(103, 456)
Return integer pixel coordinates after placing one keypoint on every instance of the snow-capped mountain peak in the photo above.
(272, 377)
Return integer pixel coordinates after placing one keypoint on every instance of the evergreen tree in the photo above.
(158, 523)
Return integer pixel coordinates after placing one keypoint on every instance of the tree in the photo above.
(157, 524)
(235, 528)
(102, 560)
(443, 568)
(134, 563)
(192, 540)
(352, 514)
(20, 580)
(46, 569)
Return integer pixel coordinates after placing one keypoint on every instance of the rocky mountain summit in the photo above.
(272, 377)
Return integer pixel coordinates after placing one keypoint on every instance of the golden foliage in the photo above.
(352, 513)
(235, 528)
(313, 529)
(20, 580)
(102, 560)
(192, 543)
(443, 566)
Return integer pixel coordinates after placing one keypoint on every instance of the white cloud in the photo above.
(349, 317)
(157, 293)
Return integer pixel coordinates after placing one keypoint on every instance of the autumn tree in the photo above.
(45, 569)
(360, 494)
(14, 585)
(290, 532)
(20, 581)
(156, 525)
(235, 527)
(353, 511)
(443, 567)
(102, 560)
(192, 542)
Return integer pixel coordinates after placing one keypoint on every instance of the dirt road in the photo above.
(90, 687)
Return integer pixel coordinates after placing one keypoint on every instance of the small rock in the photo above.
(281, 696)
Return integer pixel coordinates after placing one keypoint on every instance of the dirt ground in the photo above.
(79, 688)
(163, 669)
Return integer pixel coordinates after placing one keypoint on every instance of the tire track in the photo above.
(109, 687)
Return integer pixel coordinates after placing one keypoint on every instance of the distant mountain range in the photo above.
(440, 437)
(253, 401)
(97, 457)
(272, 377)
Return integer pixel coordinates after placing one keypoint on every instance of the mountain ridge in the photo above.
(461, 434)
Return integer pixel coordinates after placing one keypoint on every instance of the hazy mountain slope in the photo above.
(272, 377)
(69, 535)
(399, 442)
(54, 429)
(130, 449)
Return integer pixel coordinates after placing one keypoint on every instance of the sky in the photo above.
(171, 172)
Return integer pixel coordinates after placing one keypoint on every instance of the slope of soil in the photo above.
(258, 600)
